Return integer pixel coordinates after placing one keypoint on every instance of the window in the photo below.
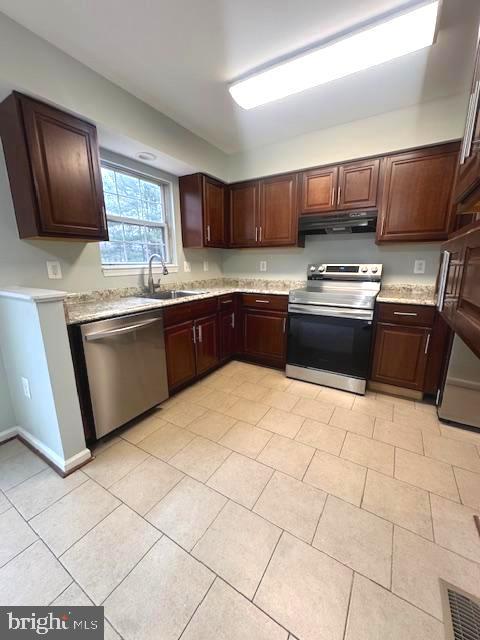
(138, 218)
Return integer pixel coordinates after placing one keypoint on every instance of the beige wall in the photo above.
(23, 262)
(398, 259)
(31, 64)
(421, 124)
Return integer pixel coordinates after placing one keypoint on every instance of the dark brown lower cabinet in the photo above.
(264, 336)
(192, 349)
(400, 355)
(201, 335)
(206, 343)
(180, 349)
(228, 346)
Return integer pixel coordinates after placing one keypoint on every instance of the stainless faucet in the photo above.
(151, 285)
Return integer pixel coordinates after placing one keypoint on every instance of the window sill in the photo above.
(135, 269)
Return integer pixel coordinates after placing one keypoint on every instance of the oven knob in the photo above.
(312, 268)
(321, 268)
(374, 269)
(364, 269)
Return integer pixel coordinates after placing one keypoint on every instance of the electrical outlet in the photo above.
(186, 266)
(263, 265)
(205, 265)
(26, 388)
(54, 270)
(419, 266)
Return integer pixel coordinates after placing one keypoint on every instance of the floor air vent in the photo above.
(462, 613)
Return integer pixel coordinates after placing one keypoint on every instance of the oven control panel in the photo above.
(344, 271)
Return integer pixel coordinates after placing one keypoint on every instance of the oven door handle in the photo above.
(316, 310)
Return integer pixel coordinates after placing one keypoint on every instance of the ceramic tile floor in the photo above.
(252, 507)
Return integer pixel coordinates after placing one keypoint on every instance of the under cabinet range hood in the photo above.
(338, 222)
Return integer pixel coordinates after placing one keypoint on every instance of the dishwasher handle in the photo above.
(101, 335)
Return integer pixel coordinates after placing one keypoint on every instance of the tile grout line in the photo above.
(431, 517)
(198, 606)
(88, 598)
(87, 478)
(347, 614)
(252, 509)
(391, 559)
(59, 557)
(102, 604)
(282, 531)
(319, 519)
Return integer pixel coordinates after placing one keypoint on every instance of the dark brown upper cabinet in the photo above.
(244, 213)
(467, 186)
(202, 208)
(278, 211)
(358, 184)
(348, 186)
(53, 165)
(319, 187)
(264, 213)
(416, 198)
(461, 303)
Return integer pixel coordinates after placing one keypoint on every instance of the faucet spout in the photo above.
(151, 284)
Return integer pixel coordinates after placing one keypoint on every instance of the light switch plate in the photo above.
(205, 265)
(186, 266)
(54, 270)
(263, 265)
(419, 266)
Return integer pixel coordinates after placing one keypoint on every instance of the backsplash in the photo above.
(398, 259)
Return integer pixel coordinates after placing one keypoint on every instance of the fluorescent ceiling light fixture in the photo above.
(395, 37)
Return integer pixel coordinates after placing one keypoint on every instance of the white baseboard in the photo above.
(60, 462)
(8, 433)
(77, 459)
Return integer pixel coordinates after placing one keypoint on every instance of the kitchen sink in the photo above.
(173, 294)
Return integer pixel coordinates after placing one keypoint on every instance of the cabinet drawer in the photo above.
(267, 302)
(225, 303)
(185, 311)
(411, 314)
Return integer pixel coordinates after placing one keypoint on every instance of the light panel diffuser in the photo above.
(405, 33)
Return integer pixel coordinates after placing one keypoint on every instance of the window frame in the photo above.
(135, 268)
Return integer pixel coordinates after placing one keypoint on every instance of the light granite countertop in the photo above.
(408, 294)
(111, 303)
(100, 305)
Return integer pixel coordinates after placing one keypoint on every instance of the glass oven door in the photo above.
(330, 339)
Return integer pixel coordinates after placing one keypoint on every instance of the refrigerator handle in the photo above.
(442, 284)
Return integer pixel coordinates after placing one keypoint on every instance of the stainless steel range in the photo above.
(330, 325)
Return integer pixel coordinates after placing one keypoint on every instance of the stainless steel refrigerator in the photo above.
(460, 399)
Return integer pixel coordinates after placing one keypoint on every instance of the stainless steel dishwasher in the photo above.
(126, 367)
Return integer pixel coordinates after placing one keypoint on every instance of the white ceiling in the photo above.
(180, 57)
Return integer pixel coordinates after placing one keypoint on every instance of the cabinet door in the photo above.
(227, 334)
(206, 346)
(468, 176)
(319, 189)
(180, 350)
(467, 315)
(244, 204)
(214, 213)
(400, 355)
(358, 184)
(278, 207)
(66, 172)
(416, 194)
(264, 336)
